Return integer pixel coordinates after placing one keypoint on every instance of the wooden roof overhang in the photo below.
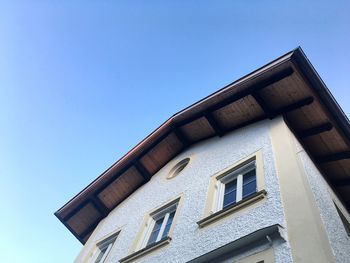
(288, 86)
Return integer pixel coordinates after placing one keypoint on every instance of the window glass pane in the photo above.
(249, 183)
(158, 224)
(249, 176)
(155, 231)
(230, 193)
(168, 225)
(231, 186)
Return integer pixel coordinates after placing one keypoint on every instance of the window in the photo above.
(103, 248)
(178, 168)
(155, 231)
(235, 186)
(158, 226)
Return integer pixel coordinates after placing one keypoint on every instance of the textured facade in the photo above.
(189, 242)
(326, 201)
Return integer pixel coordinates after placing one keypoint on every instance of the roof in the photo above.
(288, 86)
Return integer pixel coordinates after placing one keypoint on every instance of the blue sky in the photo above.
(81, 82)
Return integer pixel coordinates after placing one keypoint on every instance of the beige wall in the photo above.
(266, 256)
(306, 232)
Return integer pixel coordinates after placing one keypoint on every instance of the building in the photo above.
(259, 171)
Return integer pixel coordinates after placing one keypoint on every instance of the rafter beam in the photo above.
(316, 130)
(293, 106)
(112, 178)
(241, 94)
(261, 102)
(75, 210)
(142, 170)
(220, 131)
(100, 206)
(95, 201)
(254, 88)
(333, 157)
(181, 136)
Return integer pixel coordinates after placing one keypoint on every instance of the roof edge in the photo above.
(287, 56)
(309, 72)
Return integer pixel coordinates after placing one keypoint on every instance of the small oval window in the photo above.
(178, 168)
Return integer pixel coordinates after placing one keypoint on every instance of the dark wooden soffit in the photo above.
(288, 86)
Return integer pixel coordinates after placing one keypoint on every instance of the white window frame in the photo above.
(109, 242)
(151, 222)
(221, 182)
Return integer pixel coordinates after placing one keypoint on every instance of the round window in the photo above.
(178, 168)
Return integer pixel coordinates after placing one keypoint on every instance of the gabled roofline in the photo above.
(169, 121)
(136, 166)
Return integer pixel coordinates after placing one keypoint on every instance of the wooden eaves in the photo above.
(288, 86)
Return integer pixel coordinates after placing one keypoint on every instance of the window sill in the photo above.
(145, 250)
(232, 208)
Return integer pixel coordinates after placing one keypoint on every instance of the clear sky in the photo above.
(81, 82)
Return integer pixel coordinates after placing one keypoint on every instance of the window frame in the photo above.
(235, 174)
(108, 241)
(213, 212)
(153, 218)
(136, 250)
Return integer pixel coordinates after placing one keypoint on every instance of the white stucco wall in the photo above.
(324, 197)
(188, 240)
